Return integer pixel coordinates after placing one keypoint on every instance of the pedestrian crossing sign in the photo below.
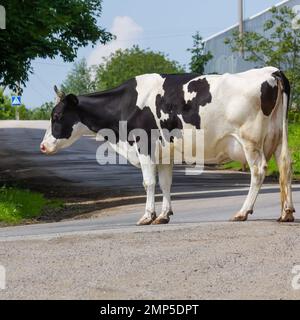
(15, 100)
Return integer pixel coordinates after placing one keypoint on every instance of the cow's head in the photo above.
(65, 126)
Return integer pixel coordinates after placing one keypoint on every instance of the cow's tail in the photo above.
(285, 87)
(285, 167)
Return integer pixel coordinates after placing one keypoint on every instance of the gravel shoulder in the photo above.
(251, 260)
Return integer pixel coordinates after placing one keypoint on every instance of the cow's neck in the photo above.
(100, 111)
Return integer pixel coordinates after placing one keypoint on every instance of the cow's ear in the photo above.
(60, 94)
(72, 100)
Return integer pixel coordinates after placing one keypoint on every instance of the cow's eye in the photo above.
(56, 116)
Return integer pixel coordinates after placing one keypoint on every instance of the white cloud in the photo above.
(126, 30)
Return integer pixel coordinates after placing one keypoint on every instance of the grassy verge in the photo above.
(294, 145)
(17, 205)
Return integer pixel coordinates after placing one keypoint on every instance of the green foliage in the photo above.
(6, 110)
(199, 58)
(294, 117)
(278, 46)
(79, 80)
(126, 64)
(41, 113)
(45, 29)
(16, 204)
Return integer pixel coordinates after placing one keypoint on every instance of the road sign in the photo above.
(15, 100)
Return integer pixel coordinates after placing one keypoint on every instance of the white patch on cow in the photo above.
(272, 82)
(181, 119)
(188, 96)
(164, 116)
(148, 86)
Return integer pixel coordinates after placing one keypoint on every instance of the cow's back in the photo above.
(227, 107)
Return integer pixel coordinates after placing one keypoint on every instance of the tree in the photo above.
(199, 58)
(45, 28)
(41, 113)
(6, 110)
(79, 80)
(125, 64)
(279, 46)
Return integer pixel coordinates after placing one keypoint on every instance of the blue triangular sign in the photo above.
(15, 100)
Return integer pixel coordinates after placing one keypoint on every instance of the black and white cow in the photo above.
(243, 116)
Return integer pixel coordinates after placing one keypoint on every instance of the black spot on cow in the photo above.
(203, 95)
(268, 98)
(142, 119)
(173, 103)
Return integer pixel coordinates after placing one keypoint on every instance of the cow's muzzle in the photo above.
(43, 148)
(46, 150)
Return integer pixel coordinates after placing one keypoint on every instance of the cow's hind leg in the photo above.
(283, 160)
(165, 181)
(149, 180)
(258, 166)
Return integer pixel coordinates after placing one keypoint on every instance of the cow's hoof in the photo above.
(162, 220)
(287, 216)
(145, 221)
(241, 216)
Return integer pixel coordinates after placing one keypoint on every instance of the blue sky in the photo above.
(162, 25)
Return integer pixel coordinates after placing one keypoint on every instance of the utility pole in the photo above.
(241, 23)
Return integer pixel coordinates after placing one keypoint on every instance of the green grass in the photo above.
(294, 146)
(18, 204)
(233, 165)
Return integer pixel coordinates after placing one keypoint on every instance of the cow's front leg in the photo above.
(149, 180)
(165, 182)
(258, 167)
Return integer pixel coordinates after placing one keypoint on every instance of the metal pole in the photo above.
(17, 111)
(241, 22)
